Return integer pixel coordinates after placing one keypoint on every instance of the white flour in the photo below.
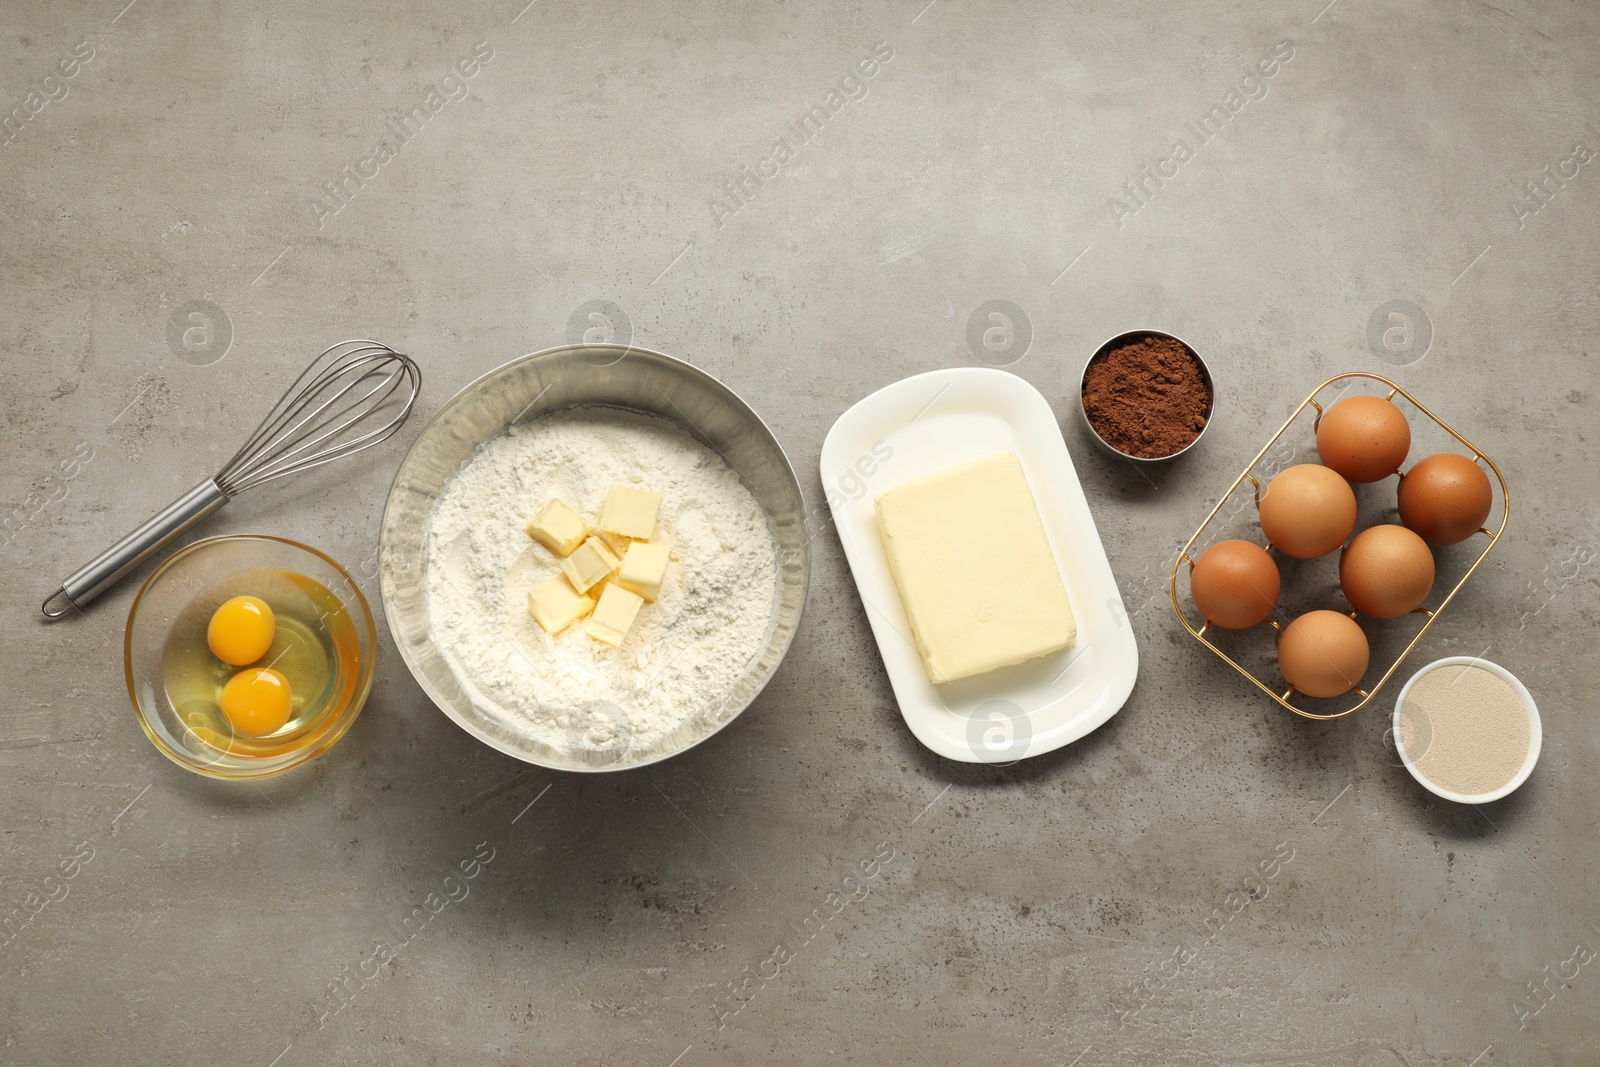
(684, 651)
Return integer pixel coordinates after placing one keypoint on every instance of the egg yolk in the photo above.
(241, 631)
(256, 701)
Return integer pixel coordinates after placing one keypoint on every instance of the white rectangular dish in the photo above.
(936, 420)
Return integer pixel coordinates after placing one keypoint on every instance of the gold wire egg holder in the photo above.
(1430, 616)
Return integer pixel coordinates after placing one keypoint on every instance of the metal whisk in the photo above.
(325, 415)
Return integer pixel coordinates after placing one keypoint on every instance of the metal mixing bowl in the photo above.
(571, 376)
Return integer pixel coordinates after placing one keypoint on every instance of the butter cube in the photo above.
(613, 615)
(588, 564)
(558, 528)
(630, 512)
(975, 572)
(642, 570)
(555, 606)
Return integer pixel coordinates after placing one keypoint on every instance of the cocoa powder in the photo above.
(1147, 397)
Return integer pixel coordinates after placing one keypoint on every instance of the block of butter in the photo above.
(642, 570)
(555, 605)
(613, 615)
(558, 528)
(968, 552)
(630, 512)
(589, 563)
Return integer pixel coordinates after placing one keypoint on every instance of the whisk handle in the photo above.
(109, 567)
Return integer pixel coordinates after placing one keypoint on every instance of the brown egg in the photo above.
(1234, 584)
(1308, 511)
(1386, 571)
(1364, 438)
(1445, 498)
(1323, 653)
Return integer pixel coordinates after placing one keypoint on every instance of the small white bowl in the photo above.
(1535, 731)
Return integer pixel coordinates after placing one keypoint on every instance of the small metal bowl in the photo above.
(585, 376)
(1125, 338)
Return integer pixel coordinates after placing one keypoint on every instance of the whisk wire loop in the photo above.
(299, 433)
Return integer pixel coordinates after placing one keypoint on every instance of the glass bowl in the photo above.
(326, 645)
(586, 376)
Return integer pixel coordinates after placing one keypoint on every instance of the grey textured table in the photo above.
(195, 204)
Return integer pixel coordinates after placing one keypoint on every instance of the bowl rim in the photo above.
(357, 702)
(1205, 371)
(422, 680)
(1535, 731)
